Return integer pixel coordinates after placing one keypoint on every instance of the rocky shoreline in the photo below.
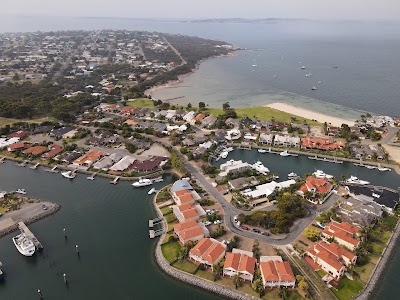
(191, 279)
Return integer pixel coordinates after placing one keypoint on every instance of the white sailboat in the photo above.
(262, 151)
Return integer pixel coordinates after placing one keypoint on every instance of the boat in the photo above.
(142, 182)
(115, 180)
(262, 151)
(319, 82)
(254, 66)
(1, 272)
(158, 179)
(20, 191)
(68, 174)
(303, 67)
(284, 153)
(383, 169)
(259, 167)
(151, 191)
(313, 88)
(355, 180)
(24, 245)
(224, 154)
(321, 174)
(275, 75)
(370, 167)
(229, 149)
(90, 178)
(292, 175)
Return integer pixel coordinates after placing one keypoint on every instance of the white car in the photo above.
(235, 219)
(217, 222)
(207, 223)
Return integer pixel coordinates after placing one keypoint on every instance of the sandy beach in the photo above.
(305, 113)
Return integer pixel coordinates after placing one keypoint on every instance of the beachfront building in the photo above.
(190, 231)
(240, 262)
(276, 273)
(342, 233)
(332, 258)
(186, 212)
(287, 141)
(208, 252)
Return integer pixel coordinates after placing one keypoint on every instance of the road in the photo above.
(391, 134)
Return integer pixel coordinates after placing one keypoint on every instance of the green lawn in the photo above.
(377, 248)
(264, 114)
(365, 271)
(170, 218)
(349, 288)
(390, 221)
(170, 250)
(166, 210)
(6, 121)
(186, 266)
(321, 273)
(141, 103)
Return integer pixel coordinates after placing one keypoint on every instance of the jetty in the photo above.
(24, 229)
(245, 146)
(155, 233)
(2, 160)
(21, 164)
(53, 170)
(34, 167)
(154, 222)
(334, 160)
(115, 181)
(92, 177)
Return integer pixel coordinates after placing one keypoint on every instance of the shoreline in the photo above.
(309, 114)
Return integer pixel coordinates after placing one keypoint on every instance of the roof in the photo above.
(213, 253)
(247, 264)
(232, 260)
(36, 150)
(321, 185)
(181, 185)
(148, 164)
(89, 157)
(185, 225)
(334, 249)
(123, 164)
(19, 133)
(18, 146)
(268, 271)
(186, 198)
(191, 232)
(284, 270)
(54, 151)
(201, 247)
(320, 143)
(381, 195)
(276, 270)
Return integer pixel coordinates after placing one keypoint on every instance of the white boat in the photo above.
(254, 66)
(383, 169)
(284, 153)
(303, 67)
(151, 191)
(313, 88)
(90, 178)
(275, 75)
(262, 151)
(20, 191)
(319, 82)
(229, 149)
(24, 245)
(224, 154)
(158, 179)
(259, 167)
(68, 174)
(321, 174)
(370, 167)
(355, 180)
(292, 175)
(142, 182)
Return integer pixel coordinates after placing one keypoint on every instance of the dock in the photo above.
(245, 146)
(2, 160)
(34, 167)
(92, 177)
(155, 233)
(154, 222)
(21, 164)
(115, 181)
(334, 160)
(24, 229)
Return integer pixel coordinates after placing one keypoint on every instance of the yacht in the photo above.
(254, 66)
(224, 154)
(313, 88)
(321, 174)
(259, 167)
(151, 191)
(292, 176)
(355, 180)
(383, 169)
(158, 179)
(303, 67)
(1, 275)
(284, 153)
(24, 245)
(142, 182)
(275, 75)
(369, 167)
(68, 174)
(20, 191)
(262, 151)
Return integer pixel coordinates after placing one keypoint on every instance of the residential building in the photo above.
(54, 150)
(17, 146)
(342, 233)
(189, 116)
(123, 165)
(286, 141)
(276, 273)
(186, 212)
(239, 262)
(35, 151)
(149, 165)
(266, 189)
(190, 231)
(265, 138)
(359, 211)
(185, 197)
(321, 144)
(89, 158)
(208, 252)
(315, 186)
(233, 167)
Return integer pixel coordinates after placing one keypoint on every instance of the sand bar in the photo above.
(308, 114)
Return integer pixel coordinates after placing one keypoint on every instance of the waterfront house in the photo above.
(286, 141)
(233, 134)
(17, 146)
(148, 165)
(276, 273)
(89, 158)
(189, 116)
(359, 211)
(242, 183)
(35, 151)
(180, 185)
(208, 122)
(321, 144)
(198, 117)
(208, 252)
(186, 212)
(233, 167)
(332, 258)
(240, 262)
(316, 186)
(190, 231)
(343, 233)
(265, 138)
(123, 165)
(266, 189)
(54, 150)
(185, 197)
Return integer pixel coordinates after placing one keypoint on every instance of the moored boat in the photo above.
(20, 191)
(158, 179)
(284, 153)
(355, 180)
(142, 182)
(68, 174)
(151, 191)
(24, 245)
(293, 175)
(262, 151)
(321, 174)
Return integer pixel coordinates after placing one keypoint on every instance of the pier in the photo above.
(92, 177)
(34, 167)
(24, 229)
(2, 160)
(154, 222)
(334, 160)
(21, 164)
(155, 233)
(115, 181)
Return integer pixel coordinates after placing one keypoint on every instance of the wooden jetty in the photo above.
(154, 222)
(2, 160)
(155, 233)
(92, 177)
(34, 167)
(115, 181)
(24, 229)
(21, 164)
(334, 160)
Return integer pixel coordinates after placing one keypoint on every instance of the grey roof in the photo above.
(382, 196)
(180, 185)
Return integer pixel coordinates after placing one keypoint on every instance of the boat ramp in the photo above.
(154, 222)
(156, 232)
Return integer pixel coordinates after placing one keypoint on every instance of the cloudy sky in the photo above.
(315, 9)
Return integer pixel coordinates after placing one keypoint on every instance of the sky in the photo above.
(311, 9)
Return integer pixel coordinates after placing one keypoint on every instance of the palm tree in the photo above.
(236, 280)
(216, 271)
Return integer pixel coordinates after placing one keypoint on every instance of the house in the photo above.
(239, 262)
(198, 117)
(190, 231)
(106, 162)
(233, 167)
(186, 212)
(231, 122)
(18, 134)
(343, 233)
(35, 151)
(17, 146)
(332, 258)
(123, 165)
(189, 116)
(383, 196)
(185, 197)
(233, 134)
(359, 211)
(150, 164)
(43, 129)
(68, 157)
(59, 132)
(287, 141)
(276, 273)
(321, 144)
(180, 185)
(266, 139)
(54, 150)
(208, 252)
(70, 134)
(89, 158)
(159, 127)
(266, 189)
(315, 186)
(188, 142)
(209, 121)
(242, 183)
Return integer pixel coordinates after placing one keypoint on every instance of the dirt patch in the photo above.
(156, 150)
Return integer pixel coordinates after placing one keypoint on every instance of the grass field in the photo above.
(166, 210)
(349, 289)
(186, 266)
(170, 250)
(321, 273)
(170, 218)
(264, 114)
(141, 103)
(365, 271)
(7, 121)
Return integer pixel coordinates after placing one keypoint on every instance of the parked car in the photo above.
(322, 225)
(244, 227)
(235, 219)
(207, 223)
(265, 233)
(217, 222)
(256, 230)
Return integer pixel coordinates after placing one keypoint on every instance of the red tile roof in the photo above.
(247, 264)
(36, 150)
(201, 247)
(319, 143)
(321, 185)
(54, 151)
(213, 253)
(185, 225)
(285, 271)
(17, 146)
(268, 270)
(20, 134)
(334, 229)
(232, 260)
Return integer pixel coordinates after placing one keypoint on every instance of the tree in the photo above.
(217, 270)
(258, 286)
(303, 285)
(236, 280)
(311, 233)
(189, 106)
(202, 105)
(225, 106)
